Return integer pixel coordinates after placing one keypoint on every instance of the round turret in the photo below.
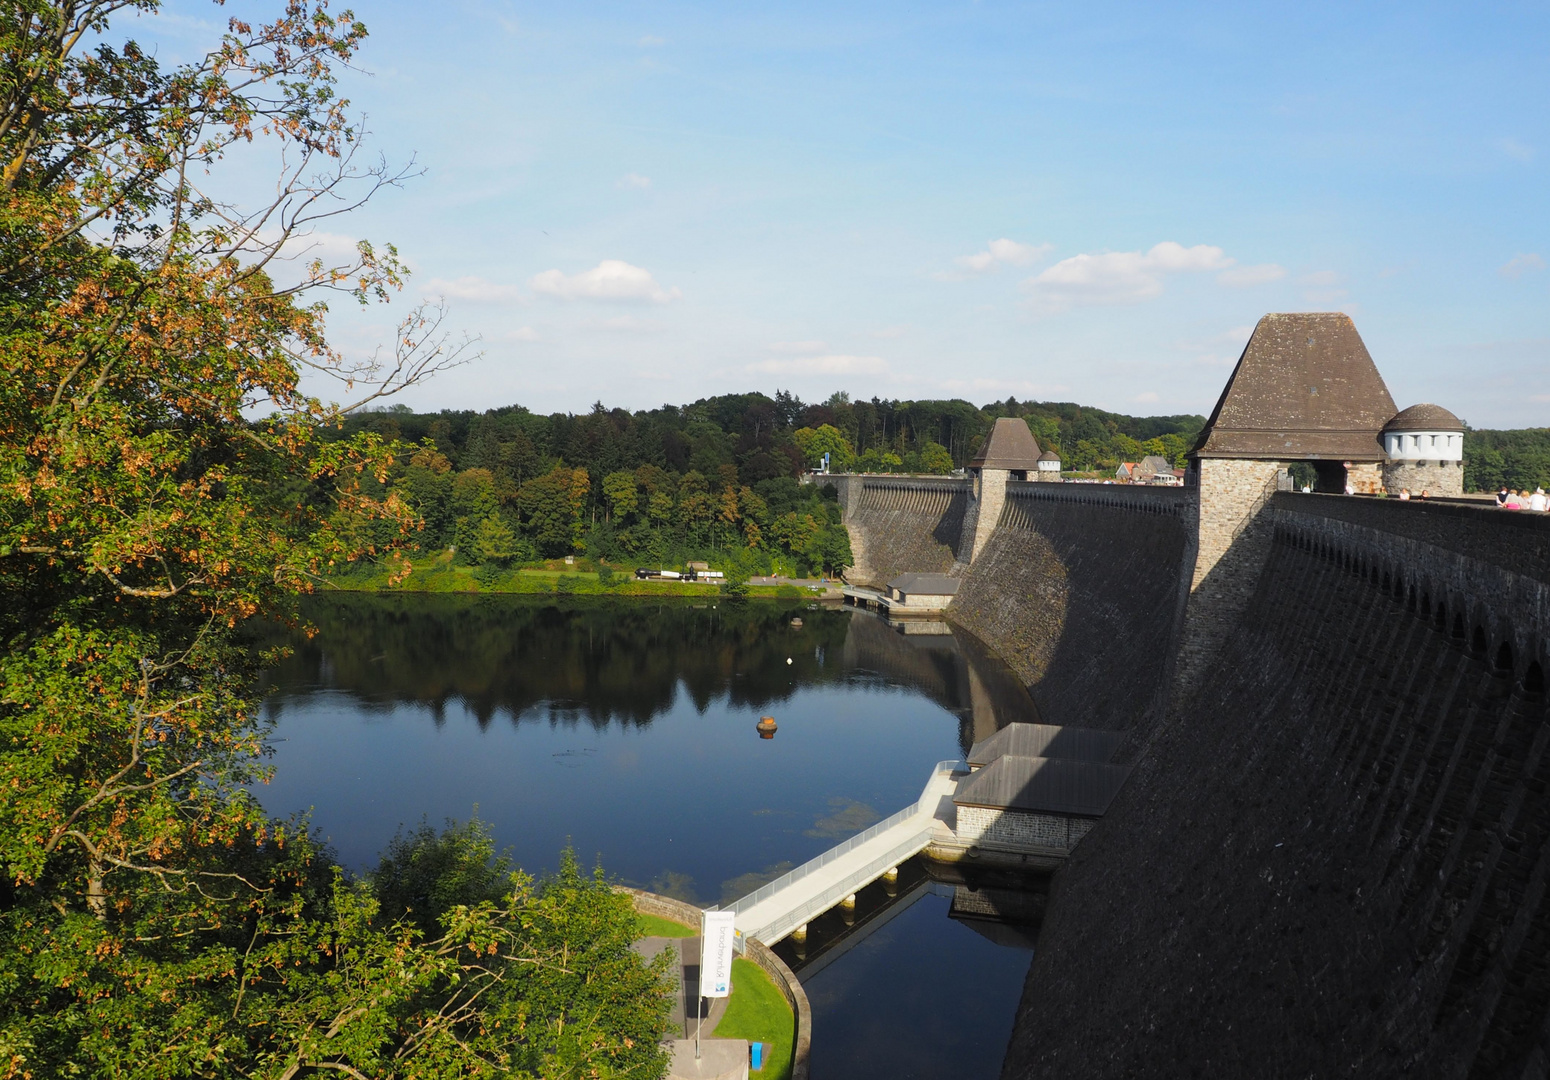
(1424, 433)
(1048, 467)
(1425, 448)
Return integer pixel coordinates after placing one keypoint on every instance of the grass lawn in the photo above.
(758, 1012)
(440, 575)
(657, 926)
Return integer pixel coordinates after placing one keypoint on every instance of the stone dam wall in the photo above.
(1333, 857)
(899, 524)
(1081, 591)
(1333, 854)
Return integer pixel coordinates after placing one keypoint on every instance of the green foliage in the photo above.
(424, 874)
(824, 439)
(1519, 460)
(154, 922)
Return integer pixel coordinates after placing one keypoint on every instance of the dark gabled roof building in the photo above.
(1048, 741)
(1304, 388)
(1009, 446)
(1042, 785)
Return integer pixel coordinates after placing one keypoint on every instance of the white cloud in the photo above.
(1242, 277)
(1519, 265)
(633, 180)
(1117, 277)
(524, 333)
(797, 346)
(475, 290)
(887, 333)
(1146, 397)
(832, 364)
(997, 253)
(651, 41)
(1516, 150)
(611, 279)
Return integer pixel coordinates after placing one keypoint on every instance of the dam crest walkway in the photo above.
(791, 900)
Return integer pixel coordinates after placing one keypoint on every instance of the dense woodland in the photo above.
(1518, 459)
(716, 478)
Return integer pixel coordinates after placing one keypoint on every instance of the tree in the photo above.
(934, 458)
(620, 490)
(824, 439)
(154, 922)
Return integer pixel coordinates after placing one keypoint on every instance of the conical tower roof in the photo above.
(1305, 387)
(1012, 446)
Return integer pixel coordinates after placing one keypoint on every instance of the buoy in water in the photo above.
(766, 727)
(796, 624)
(788, 659)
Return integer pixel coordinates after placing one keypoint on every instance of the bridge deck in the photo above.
(770, 913)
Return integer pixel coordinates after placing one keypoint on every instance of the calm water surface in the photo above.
(627, 729)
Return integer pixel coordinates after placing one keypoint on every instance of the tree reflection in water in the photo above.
(623, 661)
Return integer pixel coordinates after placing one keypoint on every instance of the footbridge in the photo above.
(787, 903)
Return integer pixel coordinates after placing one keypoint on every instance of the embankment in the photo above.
(1334, 859)
(1081, 591)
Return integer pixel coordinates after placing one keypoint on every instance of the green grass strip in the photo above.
(759, 1012)
(657, 926)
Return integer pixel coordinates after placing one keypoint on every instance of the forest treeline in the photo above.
(716, 478)
(1519, 459)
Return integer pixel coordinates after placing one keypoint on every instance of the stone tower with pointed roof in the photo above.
(1305, 390)
(1010, 453)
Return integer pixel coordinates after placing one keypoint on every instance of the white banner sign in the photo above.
(716, 932)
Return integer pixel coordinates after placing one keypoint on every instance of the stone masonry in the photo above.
(986, 499)
(1231, 547)
(1020, 829)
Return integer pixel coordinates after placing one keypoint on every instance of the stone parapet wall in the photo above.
(1143, 498)
(1486, 607)
(1516, 541)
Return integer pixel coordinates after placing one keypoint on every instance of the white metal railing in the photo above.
(874, 869)
(926, 804)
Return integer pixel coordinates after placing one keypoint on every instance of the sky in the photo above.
(1095, 202)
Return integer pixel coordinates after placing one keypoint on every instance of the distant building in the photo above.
(1305, 390)
(1010, 453)
(1126, 473)
(1048, 469)
(922, 592)
(1153, 469)
(1036, 804)
(1011, 448)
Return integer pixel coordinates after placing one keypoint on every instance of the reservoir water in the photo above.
(627, 729)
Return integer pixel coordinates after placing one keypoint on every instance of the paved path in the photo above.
(686, 970)
(774, 911)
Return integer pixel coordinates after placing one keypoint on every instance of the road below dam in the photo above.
(1331, 856)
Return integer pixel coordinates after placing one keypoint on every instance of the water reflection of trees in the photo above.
(619, 661)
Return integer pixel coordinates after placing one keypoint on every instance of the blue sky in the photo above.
(1092, 202)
